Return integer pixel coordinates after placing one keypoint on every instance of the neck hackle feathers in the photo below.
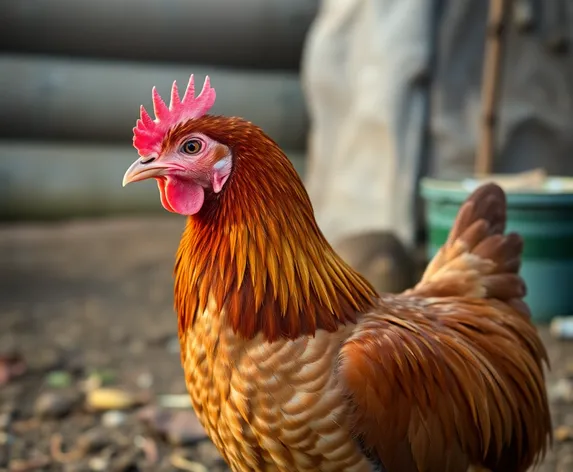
(255, 255)
(148, 134)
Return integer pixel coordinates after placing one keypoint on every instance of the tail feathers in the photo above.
(478, 260)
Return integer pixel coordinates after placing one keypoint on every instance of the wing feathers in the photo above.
(461, 384)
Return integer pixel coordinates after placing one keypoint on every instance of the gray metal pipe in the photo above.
(57, 180)
(262, 34)
(59, 99)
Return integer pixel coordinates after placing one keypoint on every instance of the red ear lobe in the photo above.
(221, 172)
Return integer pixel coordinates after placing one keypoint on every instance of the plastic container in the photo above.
(543, 217)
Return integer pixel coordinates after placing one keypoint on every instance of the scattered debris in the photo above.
(29, 465)
(149, 448)
(5, 438)
(5, 419)
(55, 404)
(180, 462)
(12, 365)
(563, 433)
(98, 464)
(561, 327)
(59, 379)
(89, 442)
(174, 401)
(561, 391)
(113, 418)
(50, 305)
(98, 378)
(111, 399)
(25, 426)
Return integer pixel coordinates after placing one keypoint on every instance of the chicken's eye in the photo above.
(191, 147)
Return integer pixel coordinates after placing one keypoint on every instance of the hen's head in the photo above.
(179, 149)
(251, 243)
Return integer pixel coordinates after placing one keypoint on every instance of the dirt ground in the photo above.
(90, 378)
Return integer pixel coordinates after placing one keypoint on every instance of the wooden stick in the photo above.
(491, 84)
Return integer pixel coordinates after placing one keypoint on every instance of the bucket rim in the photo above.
(558, 190)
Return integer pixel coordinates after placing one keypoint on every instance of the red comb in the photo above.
(148, 134)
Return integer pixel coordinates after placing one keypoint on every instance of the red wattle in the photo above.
(181, 196)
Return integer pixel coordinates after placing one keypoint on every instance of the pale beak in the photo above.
(144, 168)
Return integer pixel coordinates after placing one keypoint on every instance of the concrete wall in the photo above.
(87, 100)
(260, 34)
(74, 72)
(47, 180)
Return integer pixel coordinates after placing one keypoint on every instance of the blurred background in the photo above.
(366, 97)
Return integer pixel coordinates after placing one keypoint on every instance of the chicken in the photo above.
(293, 362)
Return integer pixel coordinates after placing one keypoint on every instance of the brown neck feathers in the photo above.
(256, 250)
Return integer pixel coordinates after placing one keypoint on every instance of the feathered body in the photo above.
(252, 289)
(292, 361)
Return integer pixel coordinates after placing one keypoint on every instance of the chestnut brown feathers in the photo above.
(258, 250)
(293, 363)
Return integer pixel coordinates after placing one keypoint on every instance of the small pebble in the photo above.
(98, 464)
(113, 418)
(561, 327)
(54, 404)
(5, 438)
(563, 433)
(139, 441)
(5, 419)
(179, 461)
(144, 380)
(561, 391)
(110, 399)
(568, 369)
(175, 401)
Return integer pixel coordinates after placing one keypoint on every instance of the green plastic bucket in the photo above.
(544, 218)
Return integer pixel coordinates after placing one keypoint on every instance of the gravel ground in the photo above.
(90, 378)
